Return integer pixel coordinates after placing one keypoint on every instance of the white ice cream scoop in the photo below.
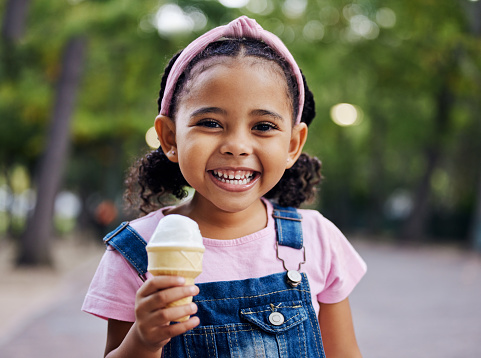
(176, 230)
(176, 249)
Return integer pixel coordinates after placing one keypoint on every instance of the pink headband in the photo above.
(239, 28)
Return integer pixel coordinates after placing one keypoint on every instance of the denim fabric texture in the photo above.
(235, 316)
(288, 226)
(130, 245)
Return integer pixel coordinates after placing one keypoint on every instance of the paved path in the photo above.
(54, 327)
(421, 302)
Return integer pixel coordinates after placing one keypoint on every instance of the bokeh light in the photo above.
(386, 17)
(294, 8)
(151, 138)
(399, 205)
(329, 15)
(262, 7)
(351, 10)
(313, 30)
(234, 3)
(6, 198)
(345, 114)
(363, 26)
(67, 205)
(171, 19)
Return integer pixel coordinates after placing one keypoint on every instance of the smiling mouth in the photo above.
(234, 177)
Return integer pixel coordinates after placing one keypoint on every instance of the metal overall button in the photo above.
(276, 318)
(294, 278)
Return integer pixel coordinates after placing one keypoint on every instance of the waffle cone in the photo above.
(176, 261)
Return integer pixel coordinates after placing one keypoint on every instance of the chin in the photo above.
(235, 206)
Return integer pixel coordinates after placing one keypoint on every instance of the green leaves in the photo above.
(389, 58)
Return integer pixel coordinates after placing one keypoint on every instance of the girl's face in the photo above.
(233, 133)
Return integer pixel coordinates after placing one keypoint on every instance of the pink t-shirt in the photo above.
(332, 265)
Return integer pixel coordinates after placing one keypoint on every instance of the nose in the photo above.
(237, 143)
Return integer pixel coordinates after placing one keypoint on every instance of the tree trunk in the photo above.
(376, 173)
(414, 228)
(476, 223)
(14, 19)
(35, 244)
(474, 12)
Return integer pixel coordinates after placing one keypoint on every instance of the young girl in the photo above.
(234, 110)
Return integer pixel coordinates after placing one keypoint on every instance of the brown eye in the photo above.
(208, 123)
(264, 127)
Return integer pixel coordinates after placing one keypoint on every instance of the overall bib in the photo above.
(270, 316)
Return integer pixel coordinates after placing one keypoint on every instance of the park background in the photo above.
(397, 86)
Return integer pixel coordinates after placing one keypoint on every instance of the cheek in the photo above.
(191, 146)
(192, 158)
(275, 162)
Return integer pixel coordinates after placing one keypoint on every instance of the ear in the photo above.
(298, 139)
(165, 128)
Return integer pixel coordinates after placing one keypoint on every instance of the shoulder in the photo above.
(338, 267)
(321, 233)
(146, 225)
(111, 293)
(314, 223)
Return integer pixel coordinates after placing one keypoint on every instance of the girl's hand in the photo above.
(152, 315)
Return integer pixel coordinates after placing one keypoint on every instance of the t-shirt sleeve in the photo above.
(112, 291)
(344, 267)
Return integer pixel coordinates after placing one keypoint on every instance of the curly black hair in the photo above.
(153, 180)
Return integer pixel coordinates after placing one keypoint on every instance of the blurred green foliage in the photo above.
(392, 59)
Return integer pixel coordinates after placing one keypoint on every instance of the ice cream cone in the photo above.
(176, 261)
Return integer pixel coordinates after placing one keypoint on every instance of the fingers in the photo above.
(170, 314)
(158, 336)
(180, 328)
(157, 283)
(153, 315)
(157, 323)
(159, 293)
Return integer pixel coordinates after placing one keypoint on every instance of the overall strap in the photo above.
(288, 226)
(130, 245)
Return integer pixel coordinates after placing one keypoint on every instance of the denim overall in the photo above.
(270, 316)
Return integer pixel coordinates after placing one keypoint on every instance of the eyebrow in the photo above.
(256, 112)
(207, 110)
(264, 112)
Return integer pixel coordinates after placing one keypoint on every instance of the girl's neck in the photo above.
(215, 223)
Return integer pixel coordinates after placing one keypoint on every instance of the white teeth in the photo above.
(237, 178)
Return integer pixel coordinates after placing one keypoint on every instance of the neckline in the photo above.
(270, 227)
